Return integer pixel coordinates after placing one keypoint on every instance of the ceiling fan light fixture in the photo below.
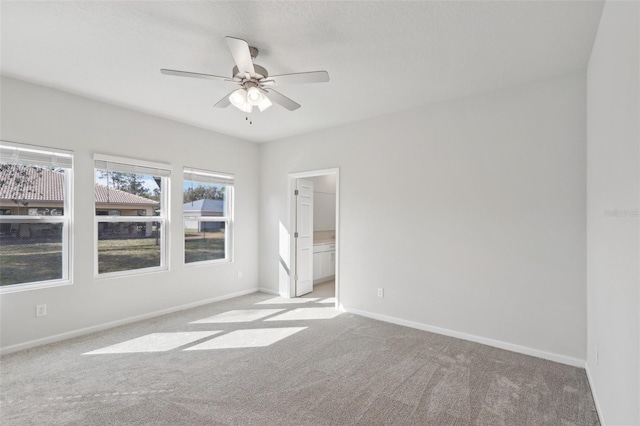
(239, 100)
(238, 97)
(264, 103)
(253, 95)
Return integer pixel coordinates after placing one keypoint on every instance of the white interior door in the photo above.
(304, 237)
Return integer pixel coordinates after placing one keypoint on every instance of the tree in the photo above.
(202, 192)
(21, 180)
(156, 194)
(128, 182)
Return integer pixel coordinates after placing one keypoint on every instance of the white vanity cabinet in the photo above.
(324, 262)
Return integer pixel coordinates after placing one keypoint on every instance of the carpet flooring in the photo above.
(263, 360)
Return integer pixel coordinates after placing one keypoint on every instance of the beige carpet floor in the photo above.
(262, 360)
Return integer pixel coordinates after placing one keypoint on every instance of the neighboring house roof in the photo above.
(204, 206)
(106, 195)
(45, 186)
(49, 186)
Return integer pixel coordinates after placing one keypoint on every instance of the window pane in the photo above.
(30, 252)
(31, 190)
(127, 194)
(204, 241)
(204, 199)
(124, 246)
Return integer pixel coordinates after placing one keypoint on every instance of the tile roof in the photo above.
(45, 186)
(49, 186)
(106, 195)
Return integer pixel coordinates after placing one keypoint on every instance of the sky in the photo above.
(150, 183)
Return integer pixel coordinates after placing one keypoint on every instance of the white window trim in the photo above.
(66, 220)
(229, 219)
(164, 167)
(165, 222)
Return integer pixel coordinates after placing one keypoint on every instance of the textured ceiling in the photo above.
(382, 57)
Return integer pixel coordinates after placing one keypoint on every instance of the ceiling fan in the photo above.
(254, 81)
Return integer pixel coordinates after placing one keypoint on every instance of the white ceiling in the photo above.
(382, 57)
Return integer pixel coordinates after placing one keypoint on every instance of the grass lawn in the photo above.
(200, 246)
(37, 261)
(127, 254)
(30, 262)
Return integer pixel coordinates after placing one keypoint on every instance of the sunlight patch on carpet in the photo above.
(306, 314)
(254, 338)
(246, 315)
(155, 342)
(284, 300)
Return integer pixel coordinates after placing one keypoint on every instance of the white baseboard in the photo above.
(111, 324)
(268, 291)
(594, 394)
(562, 359)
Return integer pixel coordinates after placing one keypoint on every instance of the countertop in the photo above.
(324, 241)
(324, 237)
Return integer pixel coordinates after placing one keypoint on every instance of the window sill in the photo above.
(207, 263)
(14, 288)
(131, 273)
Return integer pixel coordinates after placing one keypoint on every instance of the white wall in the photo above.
(484, 229)
(41, 116)
(324, 202)
(613, 183)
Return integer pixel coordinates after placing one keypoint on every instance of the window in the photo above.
(35, 219)
(130, 215)
(207, 214)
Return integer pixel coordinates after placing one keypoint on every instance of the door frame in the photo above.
(292, 218)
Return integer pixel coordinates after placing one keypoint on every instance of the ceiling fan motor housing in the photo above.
(259, 75)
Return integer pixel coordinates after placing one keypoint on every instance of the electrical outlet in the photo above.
(381, 292)
(239, 274)
(41, 310)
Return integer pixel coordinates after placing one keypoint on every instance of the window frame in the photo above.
(163, 219)
(25, 154)
(223, 179)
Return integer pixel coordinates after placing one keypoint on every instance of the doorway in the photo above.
(315, 234)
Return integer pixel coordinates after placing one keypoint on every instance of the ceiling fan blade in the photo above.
(193, 75)
(224, 102)
(241, 55)
(281, 99)
(301, 77)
